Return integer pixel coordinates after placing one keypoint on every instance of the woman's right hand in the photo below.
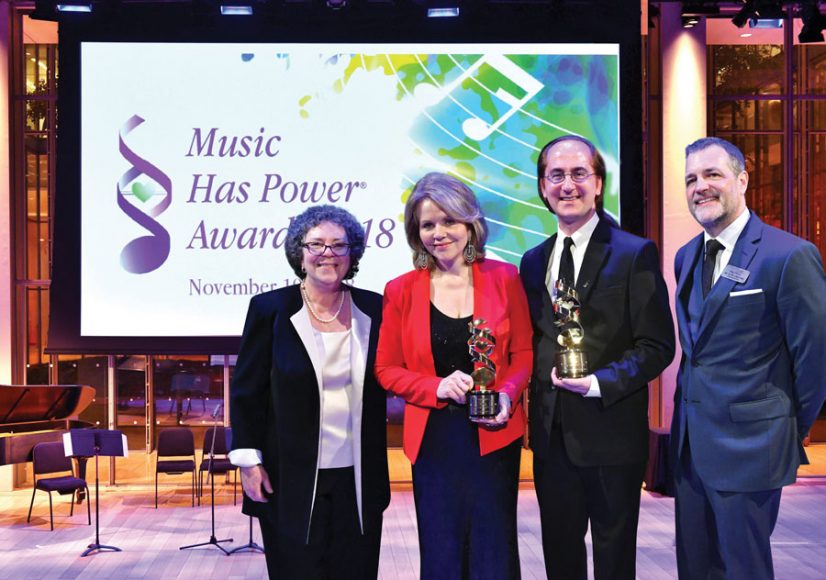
(256, 483)
(454, 386)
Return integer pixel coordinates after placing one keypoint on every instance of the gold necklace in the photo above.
(314, 313)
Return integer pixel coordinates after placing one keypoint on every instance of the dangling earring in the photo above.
(470, 253)
(422, 260)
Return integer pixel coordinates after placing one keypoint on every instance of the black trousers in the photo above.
(571, 497)
(465, 503)
(720, 534)
(336, 547)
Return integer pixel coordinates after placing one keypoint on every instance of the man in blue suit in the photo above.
(752, 325)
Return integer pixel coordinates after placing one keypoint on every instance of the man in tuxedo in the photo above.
(752, 326)
(590, 435)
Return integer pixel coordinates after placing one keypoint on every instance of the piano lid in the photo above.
(27, 403)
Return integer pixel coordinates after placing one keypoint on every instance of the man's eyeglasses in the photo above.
(577, 176)
(317, 248)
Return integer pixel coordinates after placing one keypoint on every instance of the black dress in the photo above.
(465, 502)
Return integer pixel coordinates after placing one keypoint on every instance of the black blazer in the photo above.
(275, 408)
(629, 340)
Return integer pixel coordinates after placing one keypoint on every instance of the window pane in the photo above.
(764, 161)
(742, 115)
(817, 115)
(188, 389)
(91, 371)
(817, 192)
(130, 389)
(36, 92)
(748, 69)
(37, 209)
(40, 86)
(37, 313)
(814, 68)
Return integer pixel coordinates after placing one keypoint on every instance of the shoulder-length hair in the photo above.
(455, 199)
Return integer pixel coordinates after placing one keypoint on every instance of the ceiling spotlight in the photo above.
(769, 10)
(700, 9)
(745, 13)
(813, 22)
(77, 7)
(450, 12)
(811, 35)
(690, 21)
(336, 4)
(770, 23)
(236, 10)
(759, 9)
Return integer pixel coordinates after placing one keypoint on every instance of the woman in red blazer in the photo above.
(465, 473)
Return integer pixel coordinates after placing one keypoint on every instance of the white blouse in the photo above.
(336, 418)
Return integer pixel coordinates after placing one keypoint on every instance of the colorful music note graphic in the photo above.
(496, 78)
(507, 80)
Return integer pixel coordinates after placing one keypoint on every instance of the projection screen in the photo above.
(195, 157)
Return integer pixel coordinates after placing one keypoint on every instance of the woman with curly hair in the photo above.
(308, 417)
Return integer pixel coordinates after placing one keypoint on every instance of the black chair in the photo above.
(220, 463)
(175, 442)
(199, 389)
(50, 458)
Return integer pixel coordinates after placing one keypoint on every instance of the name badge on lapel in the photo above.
(739, 275)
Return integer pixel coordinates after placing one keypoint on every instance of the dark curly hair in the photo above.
(314, 216)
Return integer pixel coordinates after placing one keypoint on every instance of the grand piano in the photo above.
(33, 414)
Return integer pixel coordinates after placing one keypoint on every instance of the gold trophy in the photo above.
(570, 360)
(482, 403)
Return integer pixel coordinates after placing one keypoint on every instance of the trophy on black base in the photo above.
(570, 360)
(482, 403)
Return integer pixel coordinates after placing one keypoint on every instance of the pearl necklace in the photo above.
(314, 313)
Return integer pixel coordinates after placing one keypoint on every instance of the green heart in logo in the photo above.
(141, 191)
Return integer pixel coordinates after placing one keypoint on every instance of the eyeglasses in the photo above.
(577, 176)
(317, 248)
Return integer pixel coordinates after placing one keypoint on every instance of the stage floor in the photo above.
(150, 539)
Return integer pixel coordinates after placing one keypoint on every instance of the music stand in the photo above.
(251, 545)
(212, 540)
(97, 442)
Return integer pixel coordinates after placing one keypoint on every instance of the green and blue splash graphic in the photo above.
(487, 116)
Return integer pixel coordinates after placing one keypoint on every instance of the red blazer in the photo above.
(404, 359)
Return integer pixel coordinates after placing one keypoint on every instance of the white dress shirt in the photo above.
(581, 238)
(728, 238)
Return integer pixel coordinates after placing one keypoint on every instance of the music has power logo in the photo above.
(143, 200)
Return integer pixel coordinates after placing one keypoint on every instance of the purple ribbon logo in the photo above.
(146, 253)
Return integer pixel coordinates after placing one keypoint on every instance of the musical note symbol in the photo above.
(478, 129)
(505, 84)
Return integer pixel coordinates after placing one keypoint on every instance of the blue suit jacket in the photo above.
(753, 378)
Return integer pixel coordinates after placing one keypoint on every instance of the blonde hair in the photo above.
(455, 199)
